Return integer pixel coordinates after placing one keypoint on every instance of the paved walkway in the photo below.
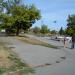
(46, 61)
(34, 55)
(66, 67)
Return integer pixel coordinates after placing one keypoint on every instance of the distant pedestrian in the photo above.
(73, 41)
(64, 41)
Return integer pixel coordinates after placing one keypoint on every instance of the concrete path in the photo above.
(66, 67)
(34, 55)
(46, 61)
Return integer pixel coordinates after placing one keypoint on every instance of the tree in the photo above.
(53, 32)
(24, 17)
(19, 17)
(61, 31)
(44, 29)
(7, 22)
(10, 4)
(70, 30)
(36, 30)
(2, 5)
(6, 19)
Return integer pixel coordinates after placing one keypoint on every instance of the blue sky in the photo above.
(53, 10)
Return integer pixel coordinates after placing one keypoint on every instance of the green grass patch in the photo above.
(2, 70)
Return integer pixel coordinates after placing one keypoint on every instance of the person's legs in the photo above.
(64, 43)
(72, 45)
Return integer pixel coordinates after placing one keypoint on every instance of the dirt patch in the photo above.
(10, 63)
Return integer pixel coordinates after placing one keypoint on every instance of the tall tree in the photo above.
(2, 5)
(61, 31)
(10, 4)
(36, 30)
(44, 29)
(22, 16)
(70, 25)
(53, 32)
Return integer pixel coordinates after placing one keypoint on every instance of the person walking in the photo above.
(64, 41)
(73, 41)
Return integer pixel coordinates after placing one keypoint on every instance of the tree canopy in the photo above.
(70, 25)
(36, 29)
(61, 31)
(19, 17)
(44, 29)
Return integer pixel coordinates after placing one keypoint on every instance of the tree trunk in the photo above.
(17, 33)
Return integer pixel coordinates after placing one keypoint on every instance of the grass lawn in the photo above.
(35, 42)
(10, 64)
